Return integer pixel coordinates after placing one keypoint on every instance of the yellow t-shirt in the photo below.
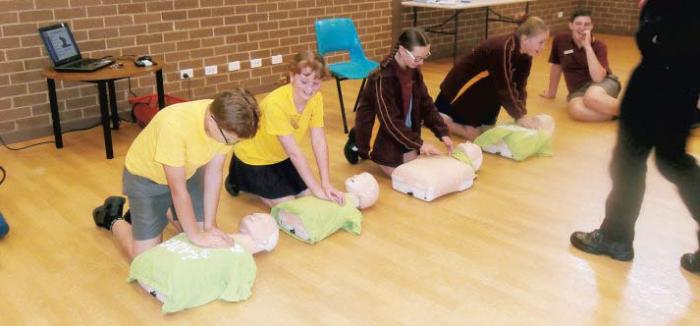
(279, 117)
(175, 137)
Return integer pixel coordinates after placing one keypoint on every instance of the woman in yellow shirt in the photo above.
(271, 165)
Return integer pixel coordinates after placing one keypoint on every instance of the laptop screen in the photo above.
(60, 44)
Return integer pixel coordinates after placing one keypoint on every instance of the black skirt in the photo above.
(268, 181)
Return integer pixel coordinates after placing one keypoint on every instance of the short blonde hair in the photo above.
(236, 111)
(311, 60)
(531, 26)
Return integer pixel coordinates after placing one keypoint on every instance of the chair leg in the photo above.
(359, 93)
(342, 105)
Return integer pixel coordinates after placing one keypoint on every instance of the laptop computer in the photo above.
(64, 52)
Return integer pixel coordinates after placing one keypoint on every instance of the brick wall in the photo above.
(179, 34)
(182, 34)
(614, 16)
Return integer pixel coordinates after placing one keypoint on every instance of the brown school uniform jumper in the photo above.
(384, 98)
(504, 85)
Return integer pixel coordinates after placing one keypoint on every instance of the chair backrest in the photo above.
(338, 34)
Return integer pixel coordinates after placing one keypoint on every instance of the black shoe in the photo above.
(127, 216)
(691, 262)
(350, 149)
(231, 186)
(109, 211)
(595, 243)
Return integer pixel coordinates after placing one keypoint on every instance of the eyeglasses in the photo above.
(226, 141)
(417, 59)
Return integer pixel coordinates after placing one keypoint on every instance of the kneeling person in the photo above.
(176, 165)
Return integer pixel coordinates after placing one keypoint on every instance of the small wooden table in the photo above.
(458, 7)
(104, 78)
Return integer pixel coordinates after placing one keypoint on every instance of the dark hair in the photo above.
(580, 12)
(236, 111)
(531, 26)
(409, 38)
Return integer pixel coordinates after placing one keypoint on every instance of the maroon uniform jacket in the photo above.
(508, 70)
(382, 98)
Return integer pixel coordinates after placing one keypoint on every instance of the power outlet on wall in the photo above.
(210, 70)
(234, 65)
(276, 59)
(255, 63)
(560, 14)
(186, 73)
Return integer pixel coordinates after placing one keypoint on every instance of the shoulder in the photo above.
(561, 37)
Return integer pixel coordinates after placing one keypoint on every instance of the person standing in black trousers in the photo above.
(656, 113)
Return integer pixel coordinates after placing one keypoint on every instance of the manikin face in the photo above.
(416, 57)
(262, 228)
(580, 25)
(533, 45)
(365, 187)
(305, 84)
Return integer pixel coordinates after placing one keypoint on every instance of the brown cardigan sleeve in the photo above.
(510, 78)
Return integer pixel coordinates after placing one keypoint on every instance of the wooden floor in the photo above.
(496, 254)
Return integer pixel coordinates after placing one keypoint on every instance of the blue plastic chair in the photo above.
(339, 34)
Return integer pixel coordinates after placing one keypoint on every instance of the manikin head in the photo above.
(257, 232)
(473, 152)
(362, 189)
(545, 123)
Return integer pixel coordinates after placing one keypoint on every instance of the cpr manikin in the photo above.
(311, 219)
(182, 275)
(430, 177)
(516, 142)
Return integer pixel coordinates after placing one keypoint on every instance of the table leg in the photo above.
(486, 23)
(104, 113)
(55, 118)
(415, 16)
(159, 89)
(113, 105)
(454, 40)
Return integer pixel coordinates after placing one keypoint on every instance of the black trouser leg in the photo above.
(628, 172)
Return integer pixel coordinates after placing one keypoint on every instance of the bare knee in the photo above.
(577, 110)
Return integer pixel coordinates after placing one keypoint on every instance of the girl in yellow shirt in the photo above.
(271, 165)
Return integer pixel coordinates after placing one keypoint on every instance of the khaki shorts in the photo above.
(610, 84)
(148, 202)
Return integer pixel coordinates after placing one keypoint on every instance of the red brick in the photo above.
(9, 42)
(186, 4)
(175, 36)
(211, 22)
(19, 29)
(48, 4)
(188, 45)
(7, 6)
(65, 14)
(174, 15)
(35, 16)
(201, 33)
(186, 24)
(12, 90)
(131, 30)
(211, 3)
(23, 53)
(149, 39)
(245, 9)
(147, 18)
(160, 5)
(160, 27)
(88, 23)
(104, 33)
(14, 114)
(199, 13)
(132, 8)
